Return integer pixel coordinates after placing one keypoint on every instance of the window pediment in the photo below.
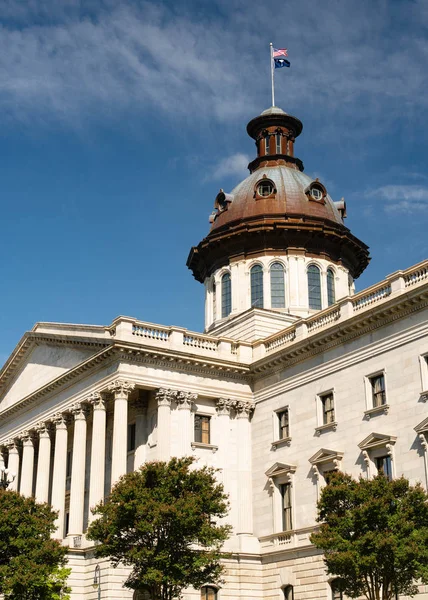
(279, 469)
(422, 427)
(325, 456)
(376, 440)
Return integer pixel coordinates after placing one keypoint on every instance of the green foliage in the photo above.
(374, 535)
(161, 520)
(32, 564)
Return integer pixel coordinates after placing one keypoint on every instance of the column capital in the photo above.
(184, 400)
(121, 388)
(42, 428)
(96, 399)
(27, 437)
(79, 411)
(165, 396)
(243, 409)
(11, 444)
(60, 420)
(224, 405)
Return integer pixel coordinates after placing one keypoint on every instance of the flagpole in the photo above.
(271, 74)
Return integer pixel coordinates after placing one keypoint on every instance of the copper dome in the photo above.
(276, 210)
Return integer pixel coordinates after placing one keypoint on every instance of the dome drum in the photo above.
(260, 236)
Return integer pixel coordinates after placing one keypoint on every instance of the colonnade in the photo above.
(52, 439)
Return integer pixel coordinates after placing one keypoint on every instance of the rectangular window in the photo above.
(278, 143)
(284, 424)
(68, 463)
(327, 403)
(384, 465)
(267, 149)
(131, 437)
(66, 523)
(287, 523)
(377, 383)
(202, 429)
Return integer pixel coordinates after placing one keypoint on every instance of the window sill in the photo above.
(205, 446)
(378, 410)
(283, 442)
(327, 427)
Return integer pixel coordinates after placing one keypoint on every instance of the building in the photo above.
(295, 376)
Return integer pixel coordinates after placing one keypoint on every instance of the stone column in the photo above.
(13, 464)
(59, 472)
(43, 464)
(164, 398)
(121, 390)
(98, 452)
(2, 462)
(184, 402)
(223, 406)
(77, 488)
(26, 487)
(245, 517)
(140, 429)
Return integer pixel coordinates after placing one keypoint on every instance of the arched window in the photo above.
(314, 287)
(336, 592)
(208, 593)
(257, 286)
(226, 295)
(277, 287)
(331, 297)
(288, 592)
(214, 302)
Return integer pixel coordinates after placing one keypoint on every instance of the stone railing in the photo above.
(235, 351)
(395, 284)
(180, 339)
(286, 539)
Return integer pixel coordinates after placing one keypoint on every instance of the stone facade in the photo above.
(285, 393)
(67, 435)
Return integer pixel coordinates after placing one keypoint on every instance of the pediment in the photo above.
(39, 359)
(280, 469)
(422, 427)
(374, 440)
(325, 455)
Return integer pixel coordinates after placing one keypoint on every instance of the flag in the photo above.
(281, 62)
(279, 57)
(280, 52)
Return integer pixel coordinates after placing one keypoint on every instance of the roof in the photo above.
(289, 199)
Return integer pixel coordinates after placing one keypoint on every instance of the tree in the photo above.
(161, 521)
(374, 535)
(32, 564)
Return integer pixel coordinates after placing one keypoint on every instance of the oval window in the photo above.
(265, 188)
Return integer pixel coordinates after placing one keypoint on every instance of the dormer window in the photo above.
(316, 191)
(265, 188)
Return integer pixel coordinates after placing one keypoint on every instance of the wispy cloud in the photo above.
(402, 198)
(60, 62)
(235, 165)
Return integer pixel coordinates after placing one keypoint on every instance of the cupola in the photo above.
(278, 243)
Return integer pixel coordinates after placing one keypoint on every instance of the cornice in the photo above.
(31, 339)
(60, 382)
(136, 353)
(340, 333)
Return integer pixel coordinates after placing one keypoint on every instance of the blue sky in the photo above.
(120, 121)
